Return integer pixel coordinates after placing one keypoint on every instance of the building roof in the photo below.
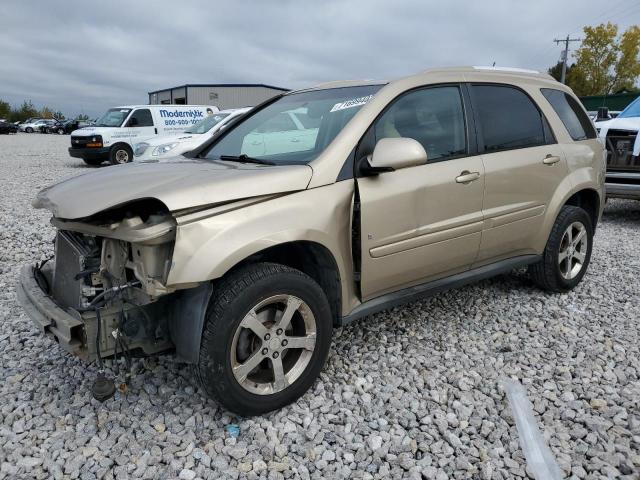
(188, 85)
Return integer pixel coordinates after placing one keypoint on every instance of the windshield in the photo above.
(207, 124)
(113, 117)
(632, 110)
(296, 128)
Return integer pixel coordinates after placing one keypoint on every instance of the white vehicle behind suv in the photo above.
(191, 138)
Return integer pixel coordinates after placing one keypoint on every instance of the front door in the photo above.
(423, 222)
(140, 126)
(523, 168)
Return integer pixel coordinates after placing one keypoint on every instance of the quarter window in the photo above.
(432, 116)
(143, 116)
(508, 117)
(571, 113)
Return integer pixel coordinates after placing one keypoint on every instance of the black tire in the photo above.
(28, 130)
(60, 131)
(120, 154)
(92, 161)
(547, 273)
(233, 297)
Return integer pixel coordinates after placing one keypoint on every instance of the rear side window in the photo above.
(508, 117)
(572, 115)
(143, 116)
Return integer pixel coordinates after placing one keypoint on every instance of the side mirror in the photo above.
(394, 153)
(132, 122)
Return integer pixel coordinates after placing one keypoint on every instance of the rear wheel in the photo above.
(567, 253)
(266, 337)
(28, 130)
(120, 154)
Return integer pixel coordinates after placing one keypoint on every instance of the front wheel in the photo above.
(28, 130)
(120, 154)
(61, 131)
(568, 251)
(266, 337)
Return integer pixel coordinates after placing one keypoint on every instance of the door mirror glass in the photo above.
(395, 153)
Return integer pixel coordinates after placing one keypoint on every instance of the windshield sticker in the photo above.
(354, 102)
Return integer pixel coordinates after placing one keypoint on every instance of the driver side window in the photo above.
(433, 116)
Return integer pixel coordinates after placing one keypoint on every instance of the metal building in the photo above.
(222, 95)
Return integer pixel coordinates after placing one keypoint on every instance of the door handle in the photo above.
(256, 143)
(467, 177)
(295, 140)
(551, 159)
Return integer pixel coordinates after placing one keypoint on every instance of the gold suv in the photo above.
(316, 208)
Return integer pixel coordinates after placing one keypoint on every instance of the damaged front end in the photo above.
(105, 287)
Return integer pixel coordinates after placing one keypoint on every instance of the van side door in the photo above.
(523, 165)
(423, 222)
(140, 125)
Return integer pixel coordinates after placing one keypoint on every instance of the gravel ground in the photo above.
(413, 392)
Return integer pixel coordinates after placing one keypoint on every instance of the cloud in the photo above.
(79, 56)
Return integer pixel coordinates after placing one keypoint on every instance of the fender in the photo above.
(207, 249)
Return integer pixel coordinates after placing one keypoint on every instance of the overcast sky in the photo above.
(83, 56)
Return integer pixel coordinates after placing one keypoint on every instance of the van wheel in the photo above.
(566, 257)
(266, 337)
(120, 154)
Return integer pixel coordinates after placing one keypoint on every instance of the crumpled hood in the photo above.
(177, 182)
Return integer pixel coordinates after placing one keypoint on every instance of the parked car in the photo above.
(47, 124)
(192, 137)
(34, 126)
(620, 136)
(67, 126)
(602, 114)
(243, 265)
(113, 136)
(6, 127)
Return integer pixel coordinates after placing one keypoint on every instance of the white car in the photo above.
(33, 126)
(190, 139)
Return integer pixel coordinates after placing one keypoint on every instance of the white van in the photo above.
(114, 134)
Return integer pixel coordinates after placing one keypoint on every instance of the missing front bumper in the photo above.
(76, 332)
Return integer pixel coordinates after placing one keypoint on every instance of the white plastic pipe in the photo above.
(541, 462)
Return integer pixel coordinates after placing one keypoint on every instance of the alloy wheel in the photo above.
(273, 344)
(573, 250)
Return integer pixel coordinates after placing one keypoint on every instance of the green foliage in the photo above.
(5, 110)
(82, 117)
(606, 62)
(59, 115)
(26, 110)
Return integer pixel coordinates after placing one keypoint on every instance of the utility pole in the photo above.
(565, 54)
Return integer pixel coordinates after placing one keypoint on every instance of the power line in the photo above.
(565, 54)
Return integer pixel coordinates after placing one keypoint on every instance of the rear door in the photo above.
(423, 222)
(523, 166)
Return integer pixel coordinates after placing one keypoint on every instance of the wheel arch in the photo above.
(310, 257)
(589, 200)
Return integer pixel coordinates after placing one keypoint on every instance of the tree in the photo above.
(5, 109)
(82, 117)
(26, 110)
(46, 112)
(58, 115)
(607, 62)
